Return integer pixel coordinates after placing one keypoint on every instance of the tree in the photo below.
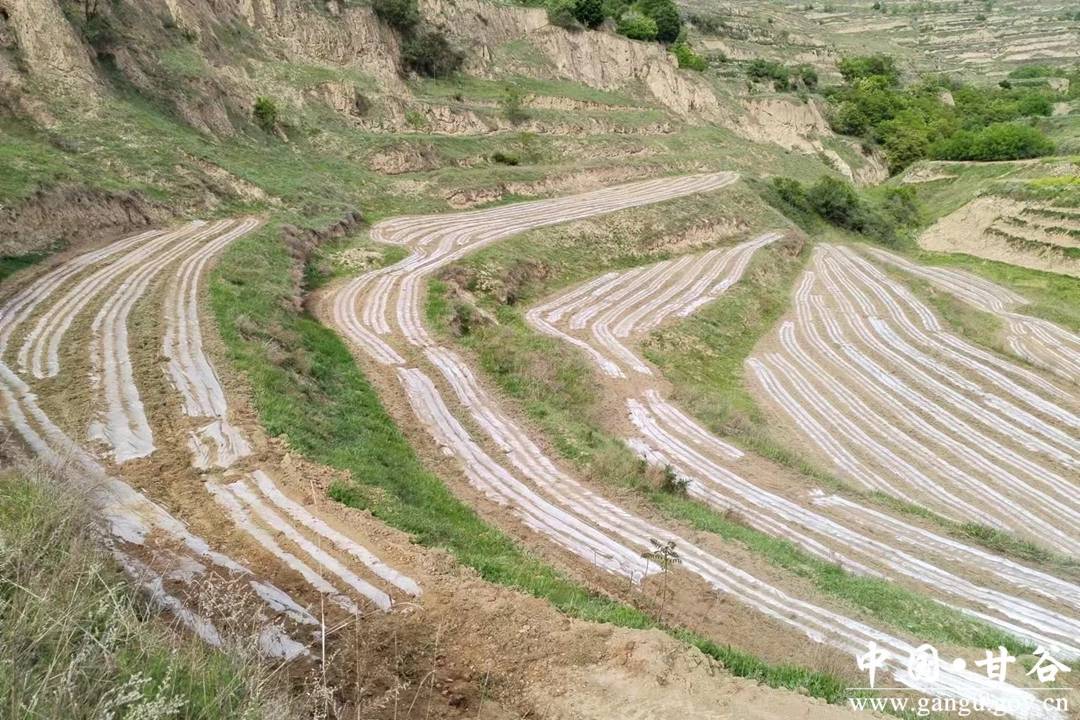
(666, 16)
(589, 13)
(513, 105)
(1000, 141)
(665, 555)
(561, 13)
(836, 201)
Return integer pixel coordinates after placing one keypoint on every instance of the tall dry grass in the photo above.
(78, 640)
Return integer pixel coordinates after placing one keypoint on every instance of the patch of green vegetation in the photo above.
(80, 642)
(13, 264)
(993, 539)
(965, 320)
(475, 88)
(30, 161)
(915, 122)
(305, 75)
(783, 77)
(308, 389)
(687, 58)
(1052, 297)
(184, 62)
(836, 202)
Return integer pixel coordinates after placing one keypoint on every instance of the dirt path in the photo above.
(381, 313)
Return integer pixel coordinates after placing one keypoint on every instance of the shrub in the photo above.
(1000, 141)
(666, 16)
(809, 77)
(504, 158)
(687, 58)
(901, 204)
(636, 26)
(430, 53)
(614, 8)
(561, 13)
(836, 201)
(589, 13)
(865, 66)
(265, 113)
(513, 105)
(402, 15)
(760, 70)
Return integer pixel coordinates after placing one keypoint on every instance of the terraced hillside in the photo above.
(468, 359)
(968, 38)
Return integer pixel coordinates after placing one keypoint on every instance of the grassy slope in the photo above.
(307, 387)
(554, 387)
(76, 641)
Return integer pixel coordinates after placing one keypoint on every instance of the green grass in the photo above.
(13, 264)
(472, 88)
(184, 61)
(703, 357)
(992, 539)
(77, 641)
(1052, 297)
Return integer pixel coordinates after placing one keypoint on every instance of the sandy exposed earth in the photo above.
(1009, 231)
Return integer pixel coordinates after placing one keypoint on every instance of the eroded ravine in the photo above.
(380, 312)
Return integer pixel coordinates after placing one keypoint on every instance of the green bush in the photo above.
(430, 53)
(1001, 141)
(916, 122)
(760, 70)
(666, 16)
(589, 13)
(902, 205)
(402, 15)
(808, 75)
(865, 66)
(265, 113)
(636, 26)
(837, 202)
(513, 105)
(688, 59)
(504, 158)
(561, 13)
